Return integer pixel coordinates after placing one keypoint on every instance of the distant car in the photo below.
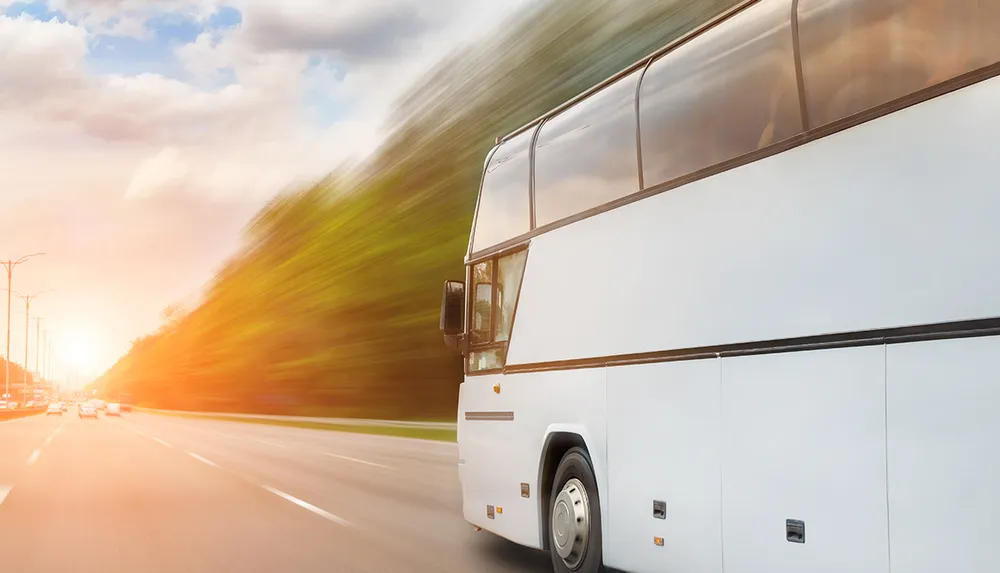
(113, 409)
(87, 411)
(62, 406)
(54, 409)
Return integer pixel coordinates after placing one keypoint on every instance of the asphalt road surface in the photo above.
(146, 493)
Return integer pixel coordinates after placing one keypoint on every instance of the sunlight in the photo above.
(80, 351)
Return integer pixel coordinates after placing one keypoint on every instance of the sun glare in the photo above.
(80, 351)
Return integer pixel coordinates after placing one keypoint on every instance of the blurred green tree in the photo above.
(331, 307)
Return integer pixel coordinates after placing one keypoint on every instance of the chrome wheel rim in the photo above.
(571, 523)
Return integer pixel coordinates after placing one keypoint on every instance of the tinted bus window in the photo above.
(504, 202)
(586, 156)
(858, 54)
(727, 92)
(511, 269)
(482, 302)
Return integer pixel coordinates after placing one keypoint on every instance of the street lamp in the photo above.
(10, 265)
(38, 343)
(27, 324)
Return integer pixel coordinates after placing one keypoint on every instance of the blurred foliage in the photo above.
(332, 306)
(17, 377)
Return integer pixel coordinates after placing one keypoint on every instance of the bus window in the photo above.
(586, 156)
(510, 269)
(727, 92)
(858, 54)
(489, 359)
(482, 301)
(504, 211)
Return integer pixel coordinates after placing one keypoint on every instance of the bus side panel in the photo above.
(804, 439)
(944, 458)
(663, 445)
(498, 456)
(891, 223)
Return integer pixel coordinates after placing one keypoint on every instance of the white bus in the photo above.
(738, 307)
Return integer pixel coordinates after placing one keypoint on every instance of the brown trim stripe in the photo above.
(489, 416)
(940, 331)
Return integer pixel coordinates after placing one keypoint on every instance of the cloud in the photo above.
(353, 33)
(138, 178)
(38, 57)
(101, 12)
(43, 75)
(232, 129)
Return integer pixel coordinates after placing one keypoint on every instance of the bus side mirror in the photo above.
(453, 314)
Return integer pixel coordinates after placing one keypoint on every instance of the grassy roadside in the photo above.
(17, 414)
(399, 432)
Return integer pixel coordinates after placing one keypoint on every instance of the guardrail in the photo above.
(319, 420)
(21, 413)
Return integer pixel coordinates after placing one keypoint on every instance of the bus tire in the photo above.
(574, 527)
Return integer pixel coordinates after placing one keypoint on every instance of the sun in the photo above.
(79, 351)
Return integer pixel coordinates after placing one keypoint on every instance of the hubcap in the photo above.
(571, 523)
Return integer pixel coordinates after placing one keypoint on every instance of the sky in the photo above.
(138, 137)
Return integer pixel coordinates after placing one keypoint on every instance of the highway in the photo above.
(146, 493)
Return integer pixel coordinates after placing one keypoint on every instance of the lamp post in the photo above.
(9, 266)
(38, 344)
(27, 330)
(27, 324)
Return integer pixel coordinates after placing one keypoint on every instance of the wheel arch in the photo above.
(559, 439)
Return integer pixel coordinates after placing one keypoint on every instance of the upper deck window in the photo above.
(858, 54)
(504, 210)
(727, 92)
(586, 156)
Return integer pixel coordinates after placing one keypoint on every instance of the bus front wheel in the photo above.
(575, 516)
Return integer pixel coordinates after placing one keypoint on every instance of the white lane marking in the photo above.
(57, 429)
(273, 444)
(306, 505)
(140, 432)
(201, 459)
(161, 441)
(48, 440)
(350, 459)
(34, 456)
(4, 490)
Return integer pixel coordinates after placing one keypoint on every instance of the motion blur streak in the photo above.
(103, 498)
(331, 307)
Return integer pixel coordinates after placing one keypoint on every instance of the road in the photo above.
(147, 493)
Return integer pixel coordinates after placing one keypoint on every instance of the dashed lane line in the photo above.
(308, 506)
(356, 460)
(34, 456)
(203, 460)
(4, 490)
(287, 497)
(282, 446)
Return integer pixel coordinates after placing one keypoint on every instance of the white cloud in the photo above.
(252, 137)
(125, 17)
(137, 183)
